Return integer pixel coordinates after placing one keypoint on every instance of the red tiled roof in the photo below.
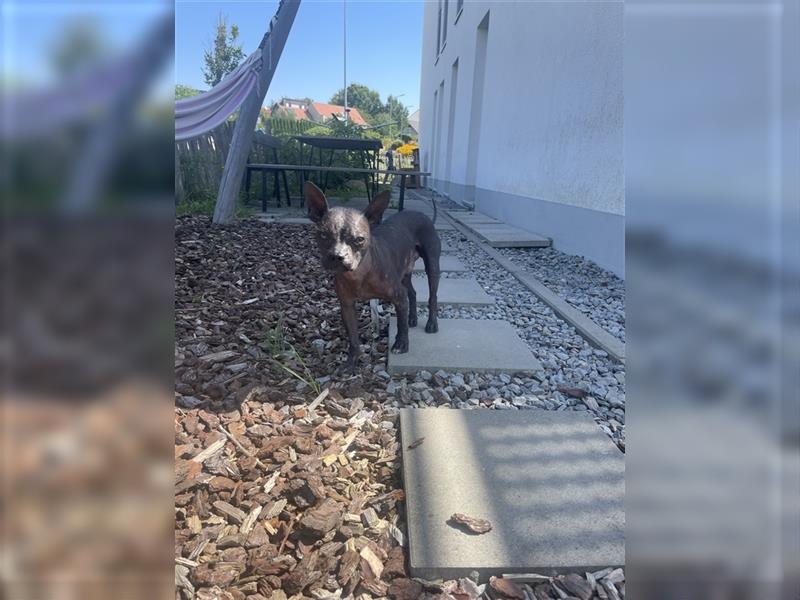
(329, 110)
(299, 113)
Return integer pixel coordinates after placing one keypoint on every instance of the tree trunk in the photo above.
(225, 209)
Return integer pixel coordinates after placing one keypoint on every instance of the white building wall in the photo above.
(549, 146)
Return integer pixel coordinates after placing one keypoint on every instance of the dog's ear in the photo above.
(374, 212)
(316, 202)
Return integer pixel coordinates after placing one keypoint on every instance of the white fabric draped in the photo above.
(202, 113)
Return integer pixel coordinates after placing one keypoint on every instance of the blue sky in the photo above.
(384, 41)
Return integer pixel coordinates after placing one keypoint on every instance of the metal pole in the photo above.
(344, 27)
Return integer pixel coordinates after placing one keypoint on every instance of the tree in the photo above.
(185, 91)
(225, 55)
(367, 101)
(398, 111)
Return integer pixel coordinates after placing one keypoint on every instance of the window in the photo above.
(441, 27)
(439, 30)
(444, 24)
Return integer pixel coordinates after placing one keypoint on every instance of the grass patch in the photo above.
(283, 354)
(203, 204)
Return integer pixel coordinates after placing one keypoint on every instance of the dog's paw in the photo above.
(350, 366)
(432, 327)
(400, 346)
(412, 320)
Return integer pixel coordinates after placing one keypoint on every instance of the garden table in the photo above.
(403, 174)
(366, 148)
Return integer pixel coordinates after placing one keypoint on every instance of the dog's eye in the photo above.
(360, 240)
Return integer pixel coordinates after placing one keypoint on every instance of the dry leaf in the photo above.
(416, 443)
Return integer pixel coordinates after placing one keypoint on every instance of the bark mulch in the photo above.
(287, 471)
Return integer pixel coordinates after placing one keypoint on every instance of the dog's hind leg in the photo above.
(412, 301)
(431, 258)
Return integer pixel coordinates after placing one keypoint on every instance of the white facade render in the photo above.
(521, 117)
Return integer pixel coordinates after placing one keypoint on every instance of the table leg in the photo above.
(402, 192)
(263, 191)
(367, 187)
(247, 184)
(286, 188)
(330, 162)
(302, 183)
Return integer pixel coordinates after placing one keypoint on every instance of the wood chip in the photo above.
(275, 509)
(250, 520)
(370, 518)
(373, 561)
(398, 536)
(472, 524)
(210, 451)
(230, 511)
(216, 357)
(271, 482)
(318, 400)
(194, 524)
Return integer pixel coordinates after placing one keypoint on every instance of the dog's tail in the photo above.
(433, 201)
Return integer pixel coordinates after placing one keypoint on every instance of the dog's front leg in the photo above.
(400, 302)
(351, 326)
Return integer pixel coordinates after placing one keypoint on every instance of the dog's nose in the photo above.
(336, 257)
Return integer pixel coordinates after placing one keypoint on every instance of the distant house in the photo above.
(321, 112)
(317, 112)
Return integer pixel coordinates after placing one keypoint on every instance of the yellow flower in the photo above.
(407, 149)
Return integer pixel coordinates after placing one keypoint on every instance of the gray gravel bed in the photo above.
(598, 293)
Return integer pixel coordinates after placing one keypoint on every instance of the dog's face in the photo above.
(343, 234)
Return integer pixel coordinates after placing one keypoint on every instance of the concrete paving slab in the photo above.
(447, 264)
(551, 483)
(506, 236)
(487, 346)
(455, 292)
(472, 218)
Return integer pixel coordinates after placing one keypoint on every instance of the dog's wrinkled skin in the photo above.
(372, 259)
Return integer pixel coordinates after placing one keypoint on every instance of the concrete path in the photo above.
(498, 234)
(455, 292)
(447, 264)
(506, 236)
(463, 345)
(550, 483)
(472, 218)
